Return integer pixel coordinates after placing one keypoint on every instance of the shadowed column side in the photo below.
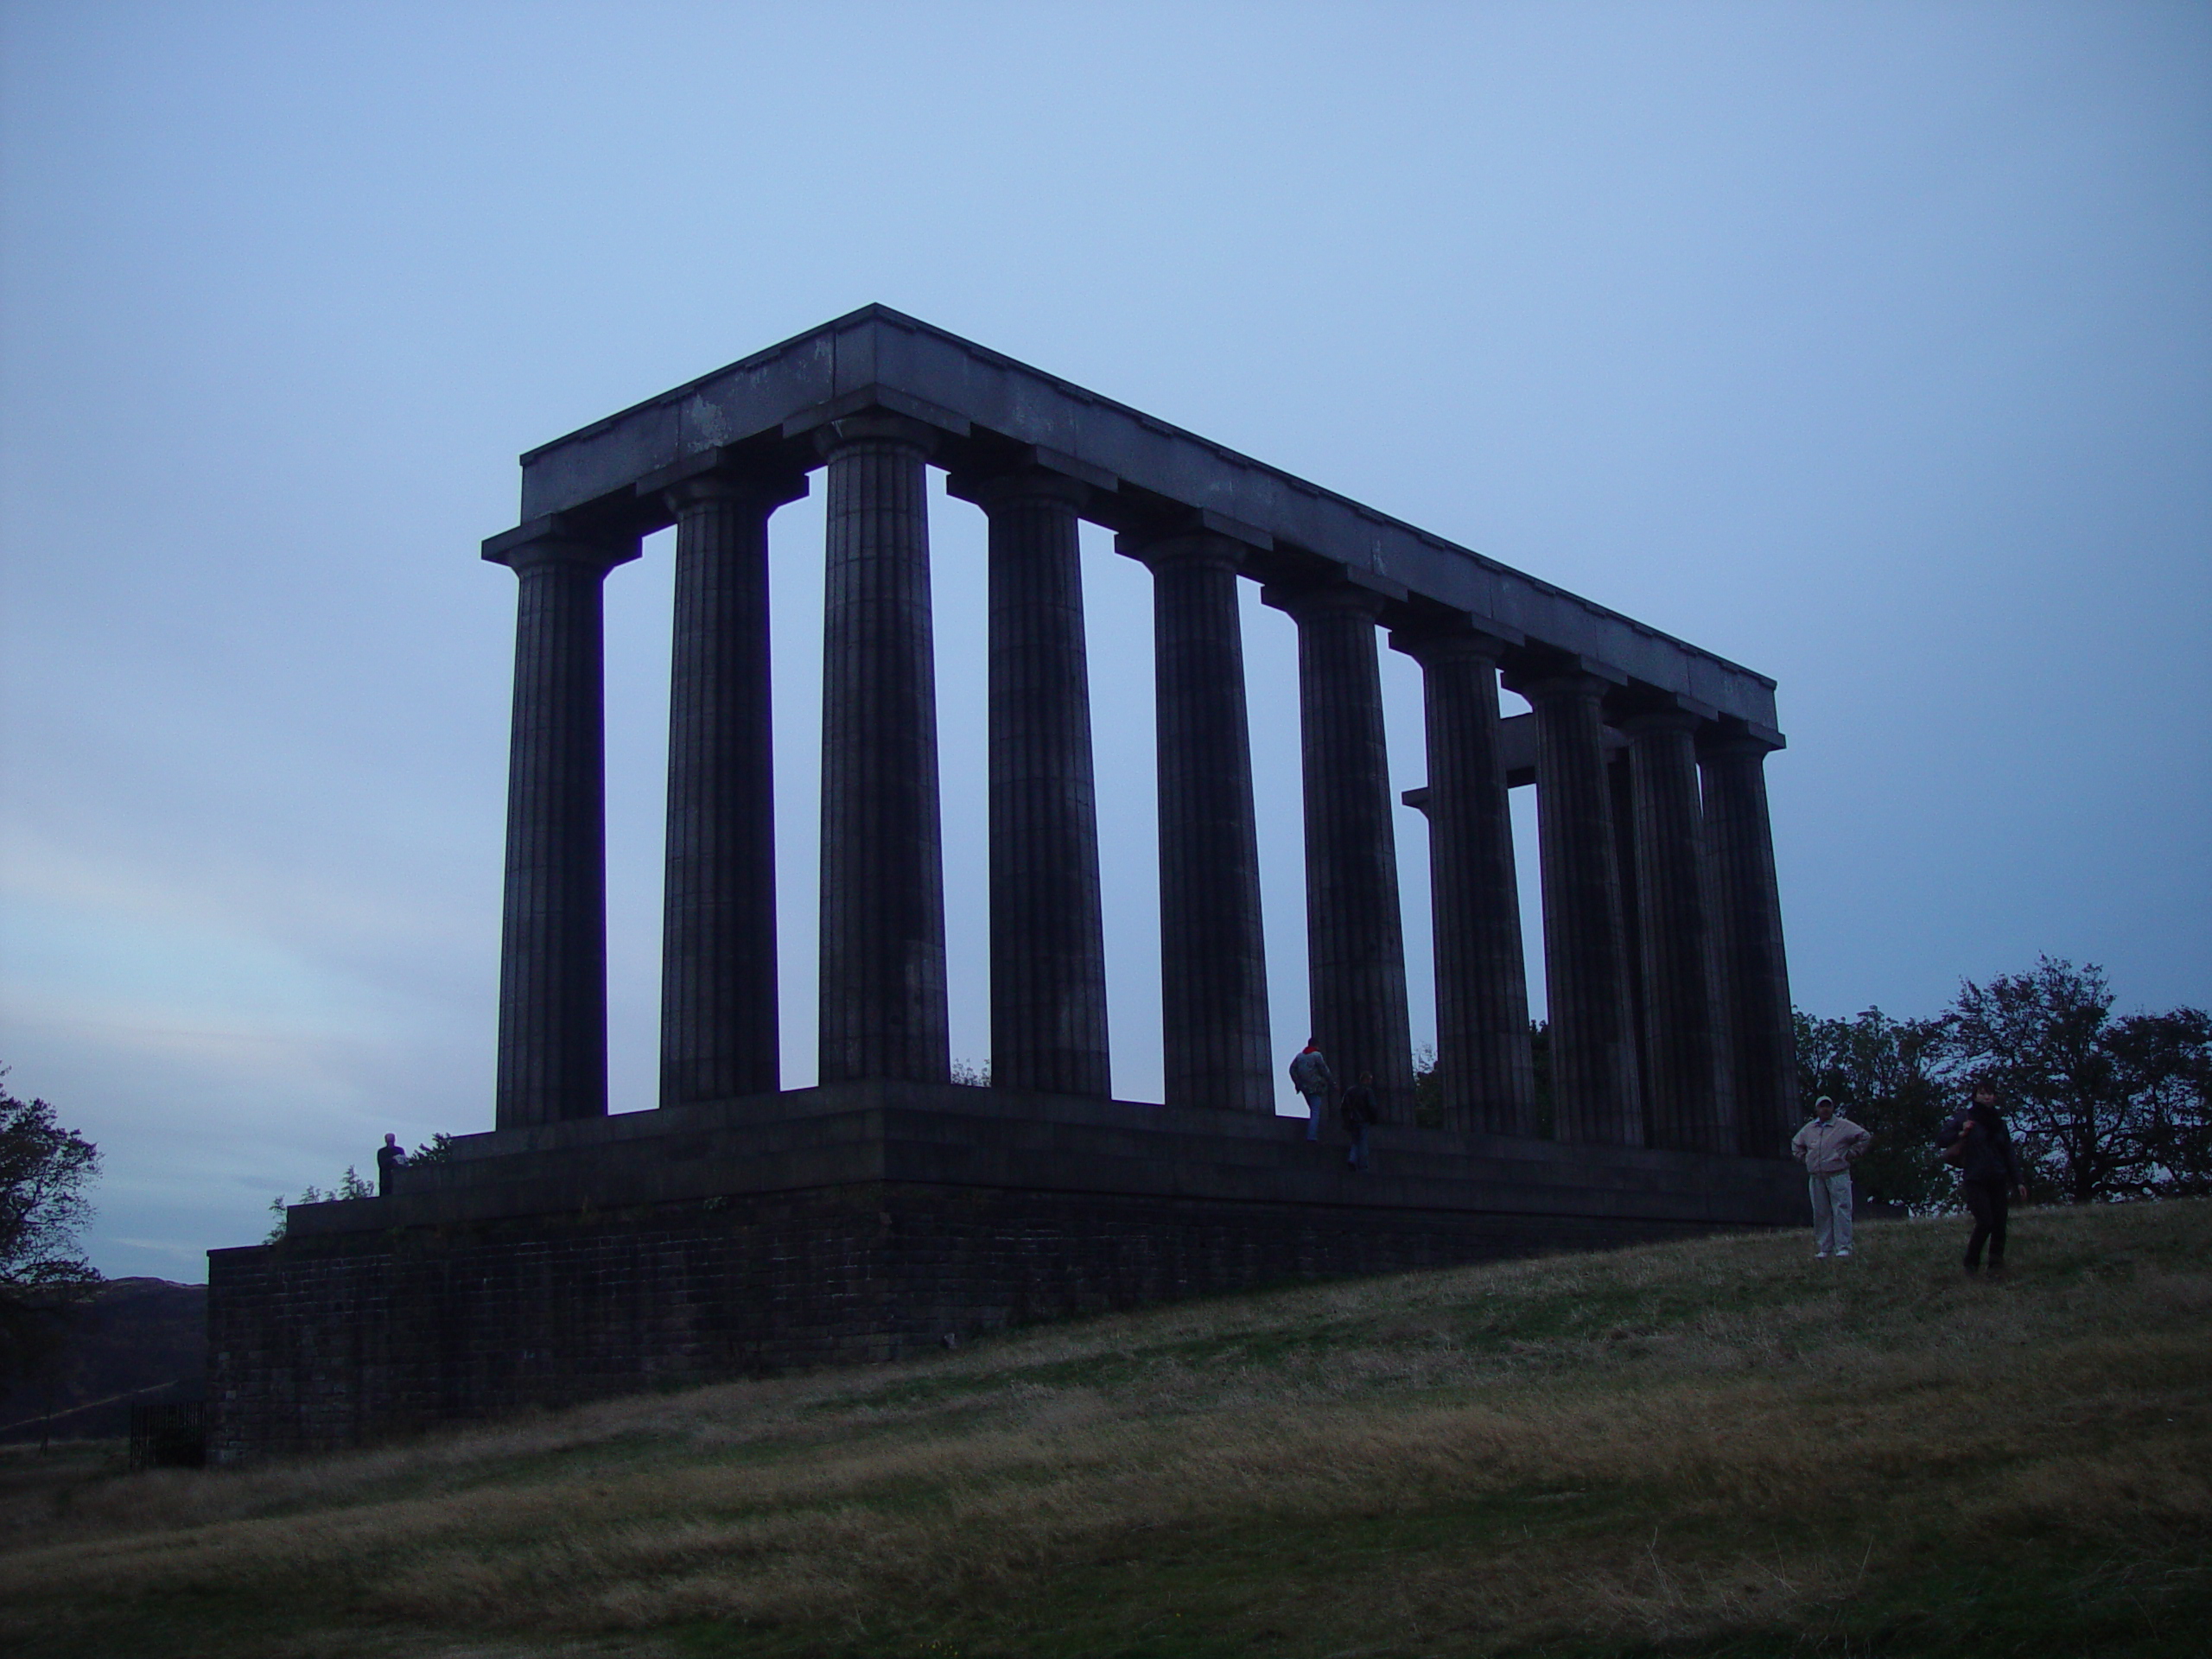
(1355, 940)
(719, 1029)
(1594, 1082)
(882, 942)
(1486, 1076)
(1213, 971)
(1754, 972)
(1048, 953)
(552, 1062)
(1685, 1079)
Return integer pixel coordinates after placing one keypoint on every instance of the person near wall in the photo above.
(1310, 1077)
(390, 1156)
(1978, 1143)
(1827, 1147)
(1358, 1112)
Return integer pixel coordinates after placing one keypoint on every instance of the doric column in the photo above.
(1753, 971)
(553, 941)
(1483, 1064)
(719, 1032)
(1213, 971)
(1586, 967)
(1354, 943)
(1620, 776)
(1048, 952)
(882, 939)
(1685, 1078)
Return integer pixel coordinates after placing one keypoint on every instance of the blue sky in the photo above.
(1870, 346)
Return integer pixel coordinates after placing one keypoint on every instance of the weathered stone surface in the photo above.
(719, 1030)
(1587, 966)
(855, 1224)
(882, 1010)
(1048, 951)
(1354, 943)
(552, 1059)
(1484, 1072)
(1686, 1078)
(1213, 966)
(1747, 924)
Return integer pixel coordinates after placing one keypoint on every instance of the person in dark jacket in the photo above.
(1357, 1110)
(1978, 1143)
(390, 1156)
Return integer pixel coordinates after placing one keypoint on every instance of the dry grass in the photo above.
(1715, 1446)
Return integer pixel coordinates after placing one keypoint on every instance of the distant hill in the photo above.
(137, 1341)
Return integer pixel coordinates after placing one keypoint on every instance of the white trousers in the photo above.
(1831, 1211)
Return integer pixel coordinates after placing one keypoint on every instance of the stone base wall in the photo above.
(472, 1296)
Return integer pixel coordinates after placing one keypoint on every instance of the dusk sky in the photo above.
(1868, 346)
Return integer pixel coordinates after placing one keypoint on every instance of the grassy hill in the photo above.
(1718, 1447)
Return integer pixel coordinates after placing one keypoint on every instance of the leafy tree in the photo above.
(2105, 1108)
(44, 1169)
(1886, 1076)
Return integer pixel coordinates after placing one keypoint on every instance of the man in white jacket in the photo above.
(1826, 1146)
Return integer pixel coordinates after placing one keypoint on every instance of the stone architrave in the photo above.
(1048, 952)
(552, 1056)
(1686, 1081)
(1753, 971)
(1484, 1065)
(883, 1011)
(1213, 971)
(1595, 1091)
(719, 1034)
(1354, 943)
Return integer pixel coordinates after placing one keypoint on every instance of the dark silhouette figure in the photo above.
(1977, 1142)
(1358, 1112)
(390, 1156)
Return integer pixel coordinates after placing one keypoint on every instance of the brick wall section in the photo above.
(324, 1342)
(572, 1261)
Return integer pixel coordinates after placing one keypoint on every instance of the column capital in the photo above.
(716, 475)
(876, 426)
(1557, 674)
(1731, 737)
(1345, 589)
(1206, 548)
(1020, 482)
(1427, 641)
(548, 541)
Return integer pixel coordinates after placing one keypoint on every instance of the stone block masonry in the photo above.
(857, 1223)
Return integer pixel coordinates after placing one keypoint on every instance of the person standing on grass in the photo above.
(1358, 1111)
(1827, 1147)
(1977, 1142)
(1310, 1077)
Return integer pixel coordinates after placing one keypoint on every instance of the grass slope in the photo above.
(1716, 1448)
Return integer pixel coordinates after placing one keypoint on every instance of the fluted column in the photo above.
(1686, 1080)
(1048, 952)
(1355, 943)
(719, 1031)
(1483, 1064)
(1754, 970)
(1586, 965)
(1213, 967)
(552, 1062)
(882, 939)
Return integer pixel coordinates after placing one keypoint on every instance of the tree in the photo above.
(1886, 1076)
(2104, 1107)
(44, 1170)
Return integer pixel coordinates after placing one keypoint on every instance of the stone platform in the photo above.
(856, 1223)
